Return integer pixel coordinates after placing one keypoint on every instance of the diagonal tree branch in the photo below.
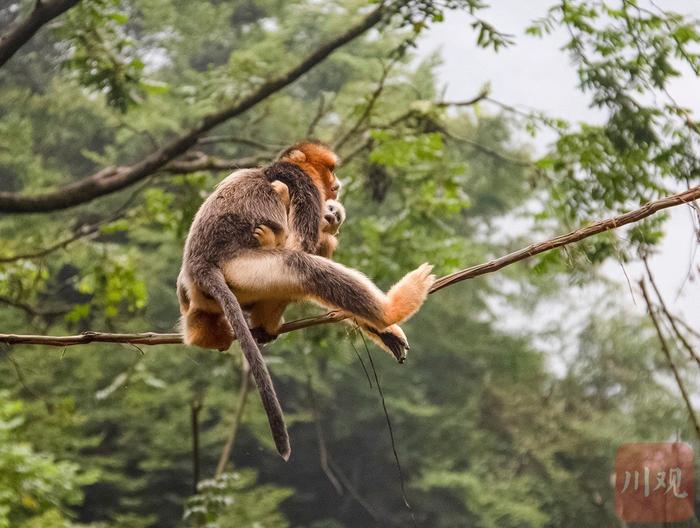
(151, 338)
(646, 210)
(43, 12)
(669, 316)
(114, 179)
(669, 360)
(243, 391)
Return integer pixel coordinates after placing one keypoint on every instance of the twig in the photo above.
(82, 232)
(687, 327)
(195, 407)
(237, 417)
(484, 94)
(22, 381)
(30, 310)
(669, 317)
(669, 359)
(322, 449)
(200, 161)
(575, 236)
(43, 12)
(151, 338)
(320, 112)
(373, 98)
(484, 149)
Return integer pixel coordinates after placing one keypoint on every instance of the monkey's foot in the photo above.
(261, 335)
(391, 339)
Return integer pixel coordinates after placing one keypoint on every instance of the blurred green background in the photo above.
(496, 424)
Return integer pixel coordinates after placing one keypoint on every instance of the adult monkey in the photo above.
(266, 316)
(223, 267)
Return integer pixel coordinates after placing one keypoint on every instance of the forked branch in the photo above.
(112, 179)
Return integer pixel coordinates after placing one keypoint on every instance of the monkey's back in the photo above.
(225, 222)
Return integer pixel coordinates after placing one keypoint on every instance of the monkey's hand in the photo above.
(265, 236)
(283, 191)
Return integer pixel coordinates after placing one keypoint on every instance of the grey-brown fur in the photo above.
(341, 290)
(223, 227)
(305, 206)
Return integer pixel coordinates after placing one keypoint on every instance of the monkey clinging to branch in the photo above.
(224, 268)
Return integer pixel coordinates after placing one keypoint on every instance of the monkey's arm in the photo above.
(305, 205)
(327, 246)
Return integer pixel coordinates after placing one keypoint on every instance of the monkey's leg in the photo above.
(183, 297)
(286, 274)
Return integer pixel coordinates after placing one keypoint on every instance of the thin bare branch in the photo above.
(491, 266)
(367, 111)
(44, 11)
(322, 449)
(469, 102)
(113, 179)
(575, 236)
(83, 231)
(195, 408)
(669, 359)
(321, 110)
(31, 310)
(670, 317)
(246, 379)
(484, 149)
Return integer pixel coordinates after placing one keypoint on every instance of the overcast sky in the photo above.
(536, 73)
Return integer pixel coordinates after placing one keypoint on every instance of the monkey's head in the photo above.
(333, 217)
(319, 162)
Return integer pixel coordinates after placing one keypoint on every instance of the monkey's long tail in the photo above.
(214, 282)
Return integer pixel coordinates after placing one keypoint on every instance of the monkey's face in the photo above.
(333, 217)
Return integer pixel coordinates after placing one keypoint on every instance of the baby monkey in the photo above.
(333, 217)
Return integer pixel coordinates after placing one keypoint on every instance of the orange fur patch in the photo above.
(319, 162)
(207, 330)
